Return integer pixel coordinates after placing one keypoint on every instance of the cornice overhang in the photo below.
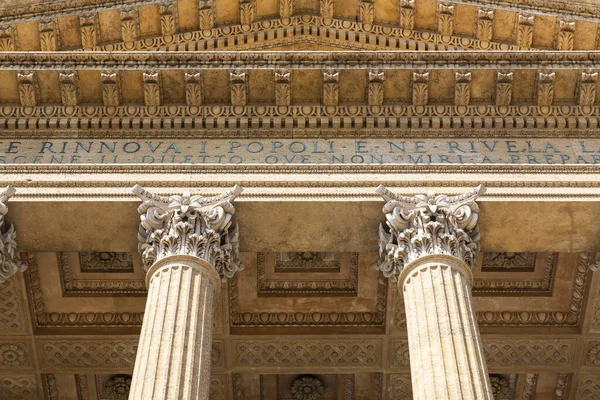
(577, 9)
(248, 60)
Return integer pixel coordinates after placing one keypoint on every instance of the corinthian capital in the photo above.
(426, 225)
(189, 225)
(10, 263)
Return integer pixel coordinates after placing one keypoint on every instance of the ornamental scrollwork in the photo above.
(427, 224)
(192, 225)
(10, 263)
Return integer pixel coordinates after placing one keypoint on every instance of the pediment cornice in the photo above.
(386, 24)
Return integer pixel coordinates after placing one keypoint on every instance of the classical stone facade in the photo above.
(299, 287)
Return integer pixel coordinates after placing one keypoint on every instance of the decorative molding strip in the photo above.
(86, 354)
(507, 352)
(12, 308)
(460, 60)
(295, 353)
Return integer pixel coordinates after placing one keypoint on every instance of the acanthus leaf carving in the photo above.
(504, 88)
(130, 24)
(566, 35)
(206, 13)
(524, 30)
(587, 88)
(193, 88)
(375, 89)
(239, 88)
(28, 88)
(8, 38)
(49, 35)
(152, 88)
(420, 88)
(283, 88)
(462, 88)
(428, 224)
(331, 90)
(286, 8)
(69, 87)
(191, 225)
(445, 18)
(247, 12)
(545, 88)
(326, 8)
(111, 88)
(407, 14)
(485, 19)
(366, 12)
(168, 18)
(90, 30)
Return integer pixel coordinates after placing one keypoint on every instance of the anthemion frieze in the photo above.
(311, 283)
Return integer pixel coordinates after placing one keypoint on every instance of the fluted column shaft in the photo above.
(174, 354)
(446, 353)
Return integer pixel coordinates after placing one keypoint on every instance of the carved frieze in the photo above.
(87, 354)
(189, 224)
(105, 261)
(496, 262)
(427, 224)
(12, 309)
(10, 262)
(19, 387)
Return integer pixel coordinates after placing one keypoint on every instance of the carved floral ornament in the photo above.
(190, 225)
(427, 224)
(307, 388)
(10, 263)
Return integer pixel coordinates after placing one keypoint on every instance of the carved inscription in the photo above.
(302, 151)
